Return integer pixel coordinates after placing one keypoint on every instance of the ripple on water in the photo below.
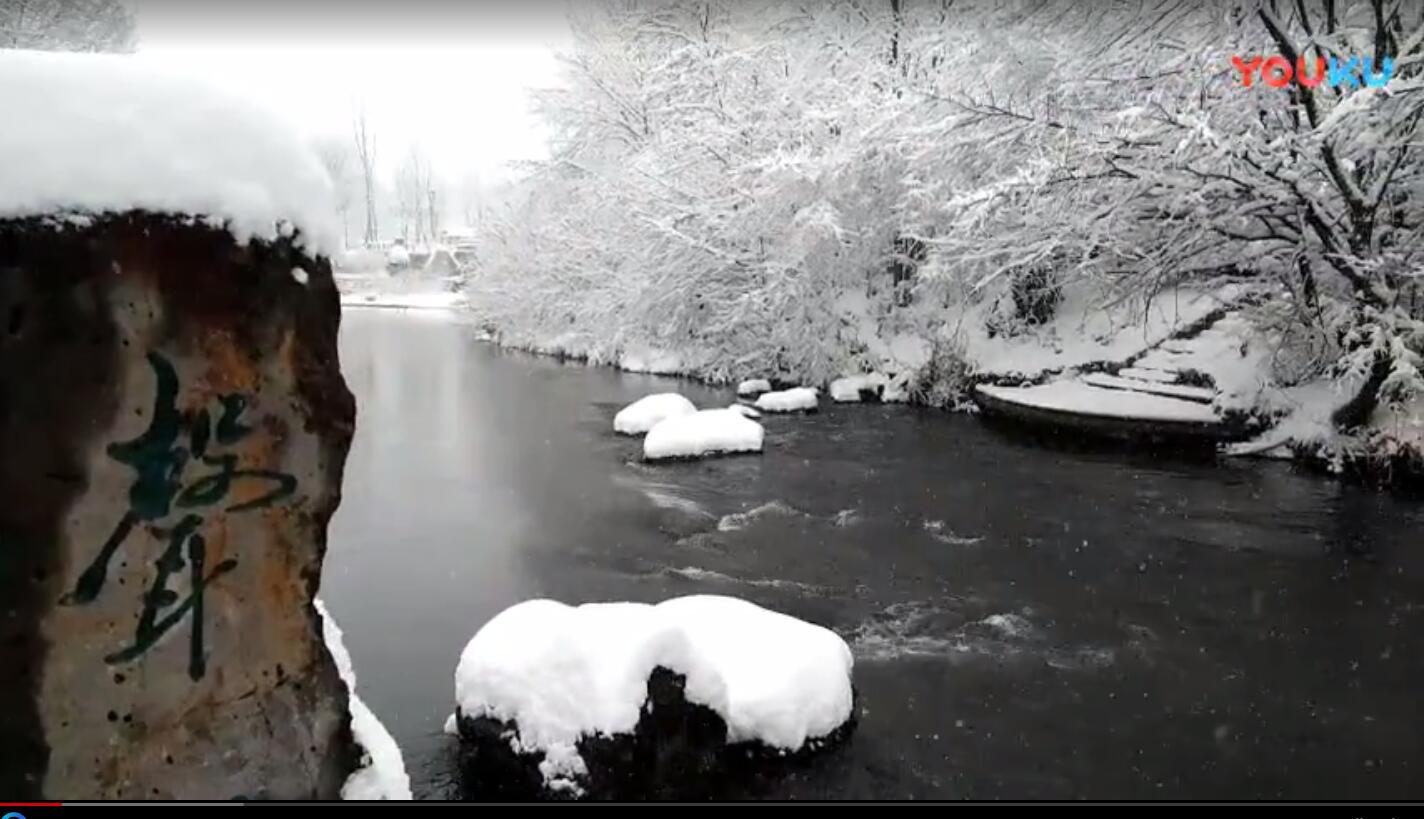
(664, 499)
(924, 629)
(741, 520)
(938, 531)
(710, 576)
(665, 496)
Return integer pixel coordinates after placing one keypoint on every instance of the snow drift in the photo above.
(382, 774)
(89, 134)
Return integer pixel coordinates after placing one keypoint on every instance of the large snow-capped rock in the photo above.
(647, 412)
(93, 134)
(161, 639)
(706, 432)
(174, 424)
(796, 399)
(557, 698)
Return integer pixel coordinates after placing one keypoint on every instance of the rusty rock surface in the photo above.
(173, 428)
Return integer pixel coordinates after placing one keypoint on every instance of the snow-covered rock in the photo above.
(90, 134)
(382, 774)
(561, 685)
(706, 432)
(797, 399)
(851, 388)
(746, 411)
(647, 412)
(657, 362)
(753, 386)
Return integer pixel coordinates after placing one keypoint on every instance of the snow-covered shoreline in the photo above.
(1204, 334)
(1325, 452)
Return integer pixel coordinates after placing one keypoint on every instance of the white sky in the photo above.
(449, 76)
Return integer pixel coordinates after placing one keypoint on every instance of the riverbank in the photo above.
(1212, 341)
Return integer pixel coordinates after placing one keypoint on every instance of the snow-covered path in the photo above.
(1155, 393)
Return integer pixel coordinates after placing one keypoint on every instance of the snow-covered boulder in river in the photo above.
(646, 413)
(707, 432)
(628, 700)
(753, 386)
(797, 399)
(853, 388)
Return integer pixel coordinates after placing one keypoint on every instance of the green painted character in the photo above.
(159, 458)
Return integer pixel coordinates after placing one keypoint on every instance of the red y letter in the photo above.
(1246, 69)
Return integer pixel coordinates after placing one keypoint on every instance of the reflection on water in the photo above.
(1027, 622)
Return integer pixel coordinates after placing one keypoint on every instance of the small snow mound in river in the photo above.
(646, 413)
(560, 672)
(706, 432)
(745, 410)
(792, 400)
(849, 389)
(754, 386)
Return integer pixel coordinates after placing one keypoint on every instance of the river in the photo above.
(1027, 622)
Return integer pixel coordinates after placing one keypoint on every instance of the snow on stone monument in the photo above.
(174, 426)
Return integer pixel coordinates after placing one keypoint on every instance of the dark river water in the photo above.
(1027, 622)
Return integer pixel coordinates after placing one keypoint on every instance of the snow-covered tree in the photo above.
(336, 157)
(364, 140)
(416, 197)
(792, 189)
(67, 25)
(1145, 161)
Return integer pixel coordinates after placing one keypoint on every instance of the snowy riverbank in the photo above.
(1203, 355)
(1200, 356)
